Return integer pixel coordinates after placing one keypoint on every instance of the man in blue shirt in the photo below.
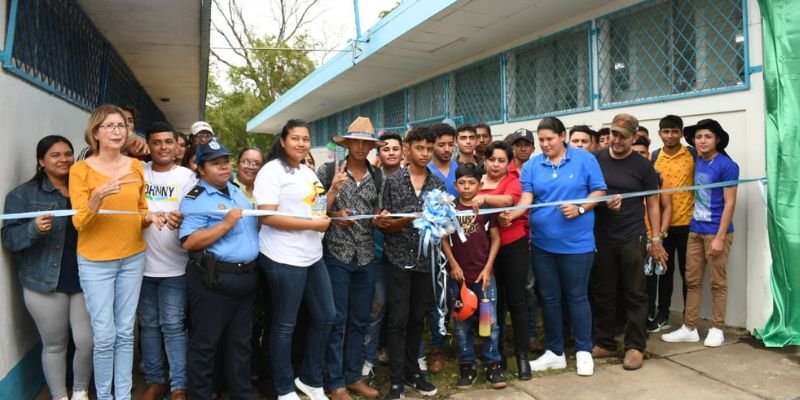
(442, 165)
(221, 277)
(710, 232)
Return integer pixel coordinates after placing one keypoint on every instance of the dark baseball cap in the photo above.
(522, 134)
(210, 151)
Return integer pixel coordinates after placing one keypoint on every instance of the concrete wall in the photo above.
(27, 113)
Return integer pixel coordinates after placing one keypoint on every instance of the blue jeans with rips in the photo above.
(464, 331)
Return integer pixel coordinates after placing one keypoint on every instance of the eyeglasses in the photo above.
(113, 127)
(248, 163)
(204, 135)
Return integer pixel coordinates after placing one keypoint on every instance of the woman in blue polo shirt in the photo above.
(562, 240)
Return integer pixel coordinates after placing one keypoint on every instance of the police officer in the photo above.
(221, 276)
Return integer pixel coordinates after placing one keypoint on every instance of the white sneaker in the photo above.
(289, 396)
(585, 363)
(313, 393)
(715, 338)
(80, 395)
(683, 334)
(549, 360)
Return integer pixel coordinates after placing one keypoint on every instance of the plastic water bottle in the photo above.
(485, 319)
(648, 266)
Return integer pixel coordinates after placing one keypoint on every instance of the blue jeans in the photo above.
(352, 287)
(372, 337)
(111, 289)
(288, 286)
(464, 331)
(162, 306)
(567, 274)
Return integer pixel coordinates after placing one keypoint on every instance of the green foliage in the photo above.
(254, 85)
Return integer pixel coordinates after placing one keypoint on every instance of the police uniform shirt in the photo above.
(238, 245)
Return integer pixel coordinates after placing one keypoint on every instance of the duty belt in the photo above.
(239, 268)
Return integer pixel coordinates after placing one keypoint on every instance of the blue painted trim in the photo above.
(408, 15)
(593, 92)
(680, 96)
(25, 379)
(756, 69)
(552, 114)
(358, 19)
(45, 86)
(8, 50)
(746, 50)
(504, 87)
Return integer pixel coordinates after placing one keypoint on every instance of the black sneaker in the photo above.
(418, 383)
(660, 323)
(468, 374)
(396, 392)
(494, 375)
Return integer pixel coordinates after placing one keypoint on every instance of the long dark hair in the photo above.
(41, 151)
(277, 151)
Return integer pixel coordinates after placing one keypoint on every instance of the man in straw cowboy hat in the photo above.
(354, 187)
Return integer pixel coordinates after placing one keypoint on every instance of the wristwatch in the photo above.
(581, 210)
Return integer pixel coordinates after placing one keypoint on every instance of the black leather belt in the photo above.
(239, 268)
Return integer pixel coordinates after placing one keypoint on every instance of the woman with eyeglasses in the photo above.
(250, 160)
(110, 247)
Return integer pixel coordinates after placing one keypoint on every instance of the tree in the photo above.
(260, 68)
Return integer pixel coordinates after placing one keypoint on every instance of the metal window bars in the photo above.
(551, 75)
(54, 45)
(669, 48)
(652, 51)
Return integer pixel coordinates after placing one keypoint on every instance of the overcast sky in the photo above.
(334, 22)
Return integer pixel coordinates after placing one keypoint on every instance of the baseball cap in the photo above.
(200, 126)
(625, 124)
(210, 151)
(521, 134)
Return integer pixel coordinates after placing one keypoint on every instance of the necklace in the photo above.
(555, 167)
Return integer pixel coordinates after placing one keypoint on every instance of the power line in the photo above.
(279, 49)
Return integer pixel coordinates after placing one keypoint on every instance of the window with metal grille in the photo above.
(393, 111)
(550, 76)
(671, 48)
(57, 47)
(331, 125)
(427, 100)
(476, 92)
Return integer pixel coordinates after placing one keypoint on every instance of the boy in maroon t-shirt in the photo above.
(470, 262)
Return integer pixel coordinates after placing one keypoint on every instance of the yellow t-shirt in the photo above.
(678, 171)
(104, 237)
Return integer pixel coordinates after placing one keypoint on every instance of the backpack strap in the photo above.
(654, 156)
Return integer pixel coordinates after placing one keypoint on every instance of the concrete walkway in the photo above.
(740, 369)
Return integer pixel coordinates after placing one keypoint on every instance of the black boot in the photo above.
(523, 367)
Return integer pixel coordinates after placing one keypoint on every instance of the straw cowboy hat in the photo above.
(360, 129)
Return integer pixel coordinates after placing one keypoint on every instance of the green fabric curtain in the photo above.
(782, 87)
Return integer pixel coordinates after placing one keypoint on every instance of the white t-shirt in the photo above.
(164, 191)
(294, 191)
